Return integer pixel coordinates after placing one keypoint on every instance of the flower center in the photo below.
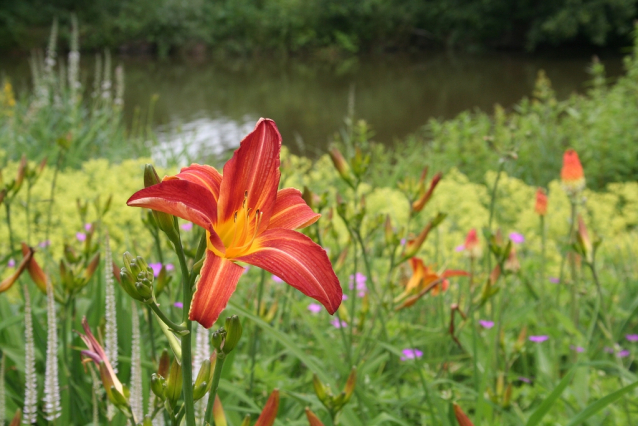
(238, 233)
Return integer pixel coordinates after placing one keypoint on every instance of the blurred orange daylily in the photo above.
(425, 280)
(247, 220)
(313, 420)
(8, 282)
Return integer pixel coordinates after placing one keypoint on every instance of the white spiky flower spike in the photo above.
(52, 408)
(74, 59)
(3, 408)
(30, 410)
(110, 338)
(137, 404)
(96, 392)
(202, 353)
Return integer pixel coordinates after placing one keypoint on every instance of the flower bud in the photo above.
(412, 247)
(158, 386)
(218, 340)
(419, 204)
(164, 362)
(321, 390)
(203, 381)
(313, 420)
(541, 202)
(233, 333)
(342, 166)
(35, 271)
(22, 170)
(174, 383)
(164, 221)
(461, 418)
(350, 384)
(91, 267)
(148, 421)
(246, 421)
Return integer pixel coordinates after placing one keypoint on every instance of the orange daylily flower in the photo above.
(424, 280)
(541, 202)
(266, 418)
(246, 220)
(572, 175)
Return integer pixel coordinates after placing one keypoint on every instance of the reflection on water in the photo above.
(204, 137)
(205, 107)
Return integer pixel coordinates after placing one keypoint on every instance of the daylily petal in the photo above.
(35, 271)
(11, 279)
(202, 175)
(253, 169)
(269, 413)
(218, 281)
(300, 262)
(96, 352)
(183, 199)
(454, 273)
(291, 211)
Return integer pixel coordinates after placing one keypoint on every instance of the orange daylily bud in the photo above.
(37, 274)
(269, 413)
(419, 204)
(350, 384)
(164, 364)
(413, 246)
(461, 418)
(91, 267)
(16, 418)
(584, 244)
(541, 202)
(11, 279)
(218, 412)
(22, 170)
(342, 166)
(572, 175)
(313, 420)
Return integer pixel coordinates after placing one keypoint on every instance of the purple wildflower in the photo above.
(246, 269)
(81, 236)
(344, 297)
(623, 354)
(524, 379)
(276, 279)
(554, 280)
(45, 243)
(538, 339)
(632, 337)
(517, 238)
(179, 305)
(609, 350)
(338, 324)
(186, 226)
(11, 263)
(87, 227)
(411, 354)
(170, 266)
(156, 267)
(486, 324)
(315, 308)
(460, 248)
(578, 349)
(358, 280)
(402, 241)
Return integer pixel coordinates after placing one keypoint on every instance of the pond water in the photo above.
(206, 106)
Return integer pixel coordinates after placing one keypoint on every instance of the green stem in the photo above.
(492, 205)
(217, 374)
(7, 207)
(28, 213)
(165, 319)
(58, 165)
(543, 260)
(187, 366)
(571, 240)
(253, 347)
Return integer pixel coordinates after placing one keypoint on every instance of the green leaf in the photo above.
(595, 407)
(547, 404)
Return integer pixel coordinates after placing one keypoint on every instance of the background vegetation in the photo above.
(243, 26)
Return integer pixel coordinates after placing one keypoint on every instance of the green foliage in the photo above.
(351, 26)
(601, 125)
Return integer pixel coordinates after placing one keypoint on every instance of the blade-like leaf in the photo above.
(547, 404)
(595, 407)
